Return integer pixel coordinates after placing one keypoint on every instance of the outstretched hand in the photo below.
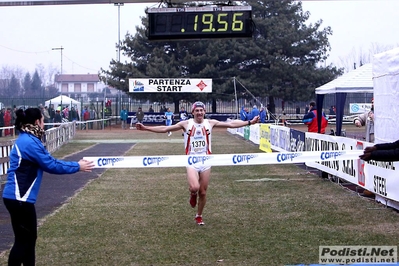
(140, 126)
(255, 120)
(366, 156)
(370, 149)
(85, 166)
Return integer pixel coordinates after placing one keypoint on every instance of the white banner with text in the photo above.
(162, 85)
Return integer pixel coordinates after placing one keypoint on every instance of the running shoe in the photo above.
(198, 220)
(169, 134)
(193, 200)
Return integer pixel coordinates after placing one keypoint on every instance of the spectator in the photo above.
(243, 114)
(57, 117)
(1, 121)
(28, 160)
(7, 122)
(14, 115)
(124, 116)
(249, 114)
(332, 110)
(169, 119)
(92, 117)
(46, 116)
(254, 112)
(310, 119)
(73, 115)
(367, 119)
(140, 115)
(65, 113)
(263, 115)
(51, 112)
(86, 117)
(183, 116)
(151, 110)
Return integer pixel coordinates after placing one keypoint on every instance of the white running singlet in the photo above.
(197, 138)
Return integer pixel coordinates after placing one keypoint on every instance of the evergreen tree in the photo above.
(283, 59)
(27, 84)
(37, 89)
(14, 88)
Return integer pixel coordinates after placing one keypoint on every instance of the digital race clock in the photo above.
(200, 22)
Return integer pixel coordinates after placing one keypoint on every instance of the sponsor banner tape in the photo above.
(222, 159)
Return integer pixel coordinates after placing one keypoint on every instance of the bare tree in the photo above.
(51, 72)
(8, 74)
(358, 57)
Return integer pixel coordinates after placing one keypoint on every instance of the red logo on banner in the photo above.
(201, 85)
(361, 178)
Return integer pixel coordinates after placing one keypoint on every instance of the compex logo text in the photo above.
(281, 157)
(151, 160)
(325, 155)
(107, 161)
(243, 158)
(198, 159)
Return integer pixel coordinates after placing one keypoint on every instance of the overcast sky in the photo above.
(88, 33)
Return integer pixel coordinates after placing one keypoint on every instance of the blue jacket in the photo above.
(243, 114)
(169, 116)
(263, 115)
(124, 115)
(255, 112)
(28, 160)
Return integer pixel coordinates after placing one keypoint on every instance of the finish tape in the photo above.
(223, 159)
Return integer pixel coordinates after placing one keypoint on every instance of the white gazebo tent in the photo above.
(386, 127)
(358, 80)
(64, 100)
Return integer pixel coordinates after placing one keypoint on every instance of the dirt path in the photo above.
(57, 189)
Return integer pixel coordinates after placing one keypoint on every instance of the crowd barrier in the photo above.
(53, 139)
(377, 177)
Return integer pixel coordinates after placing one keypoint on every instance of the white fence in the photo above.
(54, 138)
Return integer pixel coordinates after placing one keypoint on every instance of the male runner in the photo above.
(197, 139)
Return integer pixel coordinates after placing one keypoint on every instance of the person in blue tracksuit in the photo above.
(263, 115)
(254, 112)
(169, 119)
(124, 116)
(28, 159)
(243, 114)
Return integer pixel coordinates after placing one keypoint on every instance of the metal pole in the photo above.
(235, 92)
(119, 49)
(119, 33)
(103, 107)
(119, 29)
(60, 48)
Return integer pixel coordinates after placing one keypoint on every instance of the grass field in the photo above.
(255, 215)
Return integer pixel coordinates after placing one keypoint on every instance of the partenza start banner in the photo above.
(153, 85)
